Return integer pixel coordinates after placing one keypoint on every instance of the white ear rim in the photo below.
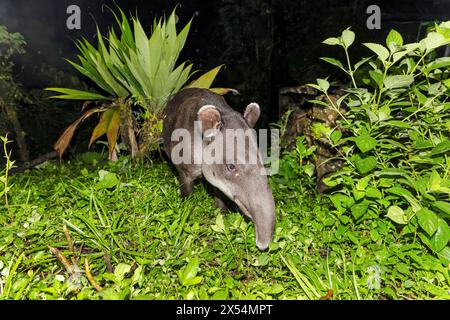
(250, 107)
(254, 104)
(205, 107)
(209, 134)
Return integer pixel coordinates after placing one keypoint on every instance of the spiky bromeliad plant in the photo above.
(131, 68)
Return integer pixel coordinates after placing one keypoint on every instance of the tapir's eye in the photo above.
(231, 167)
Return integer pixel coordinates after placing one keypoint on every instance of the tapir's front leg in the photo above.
(220, 203)
(187, 175)
(187, 185)
(219, 199)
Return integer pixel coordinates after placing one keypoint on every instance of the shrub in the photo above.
(131, 68)
(394, 137)
(12, 95)
(4, 174)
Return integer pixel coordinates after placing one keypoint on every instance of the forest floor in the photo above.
(142, 241)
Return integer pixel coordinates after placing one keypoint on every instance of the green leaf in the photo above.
(384, 113)
(220, 225)
(319, 129)
(428, 220)
(377, 76)
(332, 41)
(221, 294)
(107, 180)
(206, 80)
(341, 202)
(440, 239)
(380, 51)
(440, 63)
(72, 94)
(324, 85)
(444, 255)
(394, 37)
(398, 81)
(362, 183)
(442, 206)
(398, 191)
(273, 289)
(398, 55)
(397, 215)
(365, 165)
(303, 281)
(434, 183)
(398, 124)
(121, 270)
(365, 143)
(341, 99)
(223, 91)
(318, 102)
(262, 260)
(434, 40)
(334, 62)
(188, 277)
(422, 145)
(359, 209)
(348, 37)
(373, 192)
(442, 147)
(335, 136)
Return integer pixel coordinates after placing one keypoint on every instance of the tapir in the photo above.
(206, 117)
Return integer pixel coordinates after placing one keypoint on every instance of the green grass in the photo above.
(163, 247)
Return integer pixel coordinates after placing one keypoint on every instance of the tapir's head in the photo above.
(232, 163)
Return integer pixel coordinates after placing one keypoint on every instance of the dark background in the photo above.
(265, 45)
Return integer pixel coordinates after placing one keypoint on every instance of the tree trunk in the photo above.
(127, 129)
(301, 121)
(13, 119)
(150, 134)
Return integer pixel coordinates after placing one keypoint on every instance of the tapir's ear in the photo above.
(252, 113)
(210, 120)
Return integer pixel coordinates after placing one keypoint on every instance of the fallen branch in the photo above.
(61, 258)
(35, 162)
(70, 245)
(89, 275)
(109, 266)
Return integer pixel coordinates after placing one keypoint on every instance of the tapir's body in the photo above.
(241, 181)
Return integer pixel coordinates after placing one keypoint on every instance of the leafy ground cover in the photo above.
(142, 241)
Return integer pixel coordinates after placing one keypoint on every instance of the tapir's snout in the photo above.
(260, 207)
(264, 220)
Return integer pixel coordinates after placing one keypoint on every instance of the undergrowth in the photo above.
(140, 240)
